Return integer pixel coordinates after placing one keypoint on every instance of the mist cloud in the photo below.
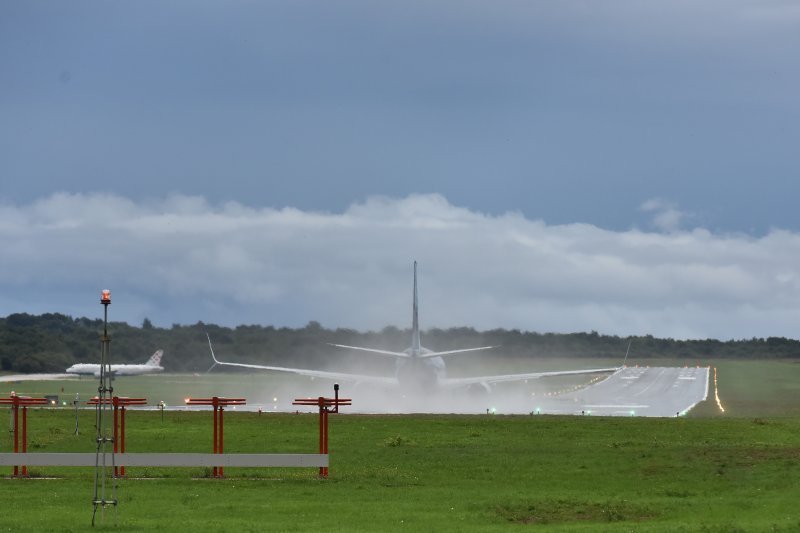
(181, 259)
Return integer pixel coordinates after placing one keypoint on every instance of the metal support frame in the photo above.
(216, 459)
(326, 406)
(16, 402)
(105, 390)
(118, 403)
(218, 403)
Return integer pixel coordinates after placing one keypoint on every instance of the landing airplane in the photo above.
(92, 369)
(416, 367)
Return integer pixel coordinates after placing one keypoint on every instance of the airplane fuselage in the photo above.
(420, 374)
(93, 369)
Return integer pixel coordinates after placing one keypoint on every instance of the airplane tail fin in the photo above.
(155, 359)
(211, 348)
(416, 344)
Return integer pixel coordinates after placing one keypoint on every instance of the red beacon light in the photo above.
(105, 297)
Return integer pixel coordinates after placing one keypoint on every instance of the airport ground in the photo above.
(710, 471)
(746, 388)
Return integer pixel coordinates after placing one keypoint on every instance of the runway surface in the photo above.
(632, 391)
(636, 391)
(19, 378)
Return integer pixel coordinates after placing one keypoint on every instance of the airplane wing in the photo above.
(448, 352)
(307, 372)
(372, 350)
(486, 380)
(318, 373)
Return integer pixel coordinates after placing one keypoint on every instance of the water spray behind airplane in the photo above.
(416, 368)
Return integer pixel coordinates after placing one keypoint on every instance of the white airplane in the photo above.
(416, 367)
(93, 369)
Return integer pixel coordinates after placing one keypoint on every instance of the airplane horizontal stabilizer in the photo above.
(372, 350)
(448, 352)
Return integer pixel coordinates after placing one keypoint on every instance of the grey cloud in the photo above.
(183, 259)
(666, 215)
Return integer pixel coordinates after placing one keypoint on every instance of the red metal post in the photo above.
(15, 408)
(325, 406)
(218, 403)
(115, 403)
(321, 401)
(118, 403)
(24, 438)
(325, 468)
(221, 438)
(122, 437)
(15, 402)
(215, 403)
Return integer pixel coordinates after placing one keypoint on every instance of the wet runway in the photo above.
(19, 378)
(632, 391)
(635, 391)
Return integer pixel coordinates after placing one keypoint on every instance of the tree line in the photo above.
(51, 342)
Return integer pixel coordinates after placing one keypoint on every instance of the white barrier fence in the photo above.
(169, 459)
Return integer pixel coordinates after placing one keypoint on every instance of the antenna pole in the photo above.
(104, 474)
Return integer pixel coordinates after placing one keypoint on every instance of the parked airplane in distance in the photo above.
(416, 367)
(93, 369)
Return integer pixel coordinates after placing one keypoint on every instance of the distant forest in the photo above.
(52, 342)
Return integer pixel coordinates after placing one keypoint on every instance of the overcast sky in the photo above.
(623, 166)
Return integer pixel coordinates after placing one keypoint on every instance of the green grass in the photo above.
(433, 473)
(711, 471)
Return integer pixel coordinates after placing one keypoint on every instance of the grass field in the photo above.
(712, 471)
(433, 473)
